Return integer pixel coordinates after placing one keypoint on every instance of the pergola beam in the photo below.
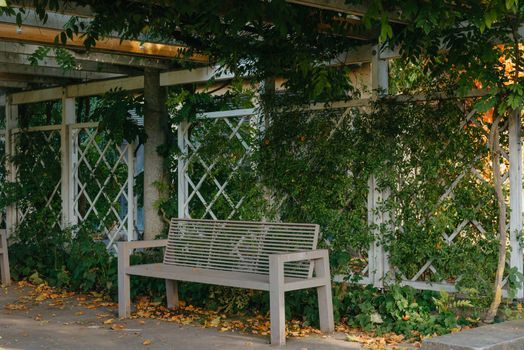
(64, 8)
(95, 57)
(12, 85)
(8, 58)
(342, 7)
(34, 79)
(46, 36)
(16, 68)
(199, 75)
(31, 18)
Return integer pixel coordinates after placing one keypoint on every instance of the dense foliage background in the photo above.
(306, 166)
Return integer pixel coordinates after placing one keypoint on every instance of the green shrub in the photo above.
(404, 310)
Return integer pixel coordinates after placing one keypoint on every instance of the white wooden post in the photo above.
(11, 122)
(73, 183)
(182, 195)
(66, 151)
(131, 232)
(377, 257)
(515, 201)
(379, 74)
(376, 253)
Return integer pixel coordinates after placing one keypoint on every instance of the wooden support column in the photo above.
(378, 257)
(11, 122)
(183, 188)
(515, 194)
(156, 124)
(66, 151)
(131, 203)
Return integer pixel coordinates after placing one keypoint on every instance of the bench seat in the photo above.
(218, 277)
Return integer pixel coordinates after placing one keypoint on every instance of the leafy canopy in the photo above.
(260, 39)
(478, 44)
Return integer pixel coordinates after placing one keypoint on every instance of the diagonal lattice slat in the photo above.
(465, 227)
(208, 177)
(101, 184)
(42, 149)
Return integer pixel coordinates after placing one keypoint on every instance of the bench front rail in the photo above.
(276, 282)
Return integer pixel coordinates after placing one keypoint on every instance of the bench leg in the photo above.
(277, 302)
(172, 294)
(124, 296)
(124, 283)
(4, 262)
(325, 299)
(4, 267)
(325, 309)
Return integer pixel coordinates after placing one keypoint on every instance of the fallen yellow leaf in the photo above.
(117, 327)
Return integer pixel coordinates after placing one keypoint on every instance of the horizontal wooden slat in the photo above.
(275, 229)
(268, 246)
(306, 283)
(237, 268)
(242, 223)
(247, 237)
(255, 262)
(241, 246)
(191, 274)
(222, 278)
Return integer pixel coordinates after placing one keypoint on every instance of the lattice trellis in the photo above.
(209, 178)
(428, 275)
(363, 260)
(40, 146)
(216, 149)
(103, 174)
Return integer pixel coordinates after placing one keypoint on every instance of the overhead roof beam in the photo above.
(13, 85)
(342, 7)
(46, 36)
(95, 57)
(64, 8)
(199, 75)
(31, 18)
(35, 79)
(9, 67)
(50, 62)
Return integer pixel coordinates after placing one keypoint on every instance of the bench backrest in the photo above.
(238, 245)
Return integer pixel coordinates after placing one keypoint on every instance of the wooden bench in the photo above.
(274, 257)
(4, 259)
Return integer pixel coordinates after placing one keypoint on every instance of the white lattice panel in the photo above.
(208, 175)
(424, 278)
(41, 147)
(103, 176)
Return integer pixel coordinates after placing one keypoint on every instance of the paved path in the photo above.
(500, 336)
(78, 328)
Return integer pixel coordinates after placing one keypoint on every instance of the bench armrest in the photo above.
(300, 256)
(125, 248)
(141, 244)
(320, 266)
